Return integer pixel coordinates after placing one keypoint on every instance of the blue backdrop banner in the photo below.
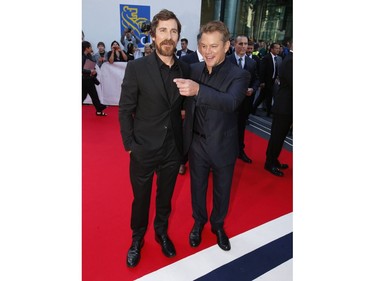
(132, 16)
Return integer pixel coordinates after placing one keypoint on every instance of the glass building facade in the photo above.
(260, 20)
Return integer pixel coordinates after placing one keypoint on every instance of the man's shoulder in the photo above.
(190, 58)
(142, 61)
(267, 56)
(250, 60)
(231, 56)
(232, 70)
(197, 65)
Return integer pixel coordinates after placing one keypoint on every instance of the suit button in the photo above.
(165, 127)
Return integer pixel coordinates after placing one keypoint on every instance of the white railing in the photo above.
(110, 77)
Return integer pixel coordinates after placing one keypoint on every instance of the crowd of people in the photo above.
(192, 106)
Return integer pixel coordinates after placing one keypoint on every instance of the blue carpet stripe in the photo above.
(255, 263)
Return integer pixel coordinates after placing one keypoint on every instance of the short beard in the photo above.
(167, 53)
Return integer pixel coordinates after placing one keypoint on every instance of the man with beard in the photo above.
(150, 120)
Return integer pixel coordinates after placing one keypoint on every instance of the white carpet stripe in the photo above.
(211, 258)
(283, 272)
(268, 133)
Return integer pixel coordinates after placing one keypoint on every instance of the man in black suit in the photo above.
(215, 92)
(282, 111)
(150, 119)
(184, 48)
(195, 56)
(267, 77)
(249, 53)
(240, 59)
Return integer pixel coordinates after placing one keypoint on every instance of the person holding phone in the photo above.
(116, 54)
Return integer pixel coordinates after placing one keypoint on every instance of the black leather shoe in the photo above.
(244, 157)
(274, 170)
(134, 253)
(195, 236)
(282, 166)
(166, 245)
(222, 239)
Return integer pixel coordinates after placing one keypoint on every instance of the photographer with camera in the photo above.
(101, 55)
(89, 79)
(128, 36)
(116, 54)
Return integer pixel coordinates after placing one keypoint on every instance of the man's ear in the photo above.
(226, 46)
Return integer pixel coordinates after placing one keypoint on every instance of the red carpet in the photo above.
(257, 197)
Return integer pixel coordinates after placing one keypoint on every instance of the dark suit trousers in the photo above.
(200, 165)
(88, 87)
(279, 130)
(165, 162)
(265, 95)
(243, 115)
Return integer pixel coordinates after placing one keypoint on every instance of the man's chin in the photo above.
(167, 53)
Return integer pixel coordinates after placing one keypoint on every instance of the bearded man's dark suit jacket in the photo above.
(216, 144)
(282, 111)
(247, 105)
(150, 124)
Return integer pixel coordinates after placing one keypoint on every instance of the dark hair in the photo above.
(85, 45)
(273, 45)
(216, 25)
(114, 43)
(241, 35)
(199, 35)
(164, 15)
(130, 48)
(100, 43)
(184, 40)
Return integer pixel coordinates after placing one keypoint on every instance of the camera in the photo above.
(146, 26)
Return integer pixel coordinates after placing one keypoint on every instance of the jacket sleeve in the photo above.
(127, 105)
(228, 100)
(85, 72)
